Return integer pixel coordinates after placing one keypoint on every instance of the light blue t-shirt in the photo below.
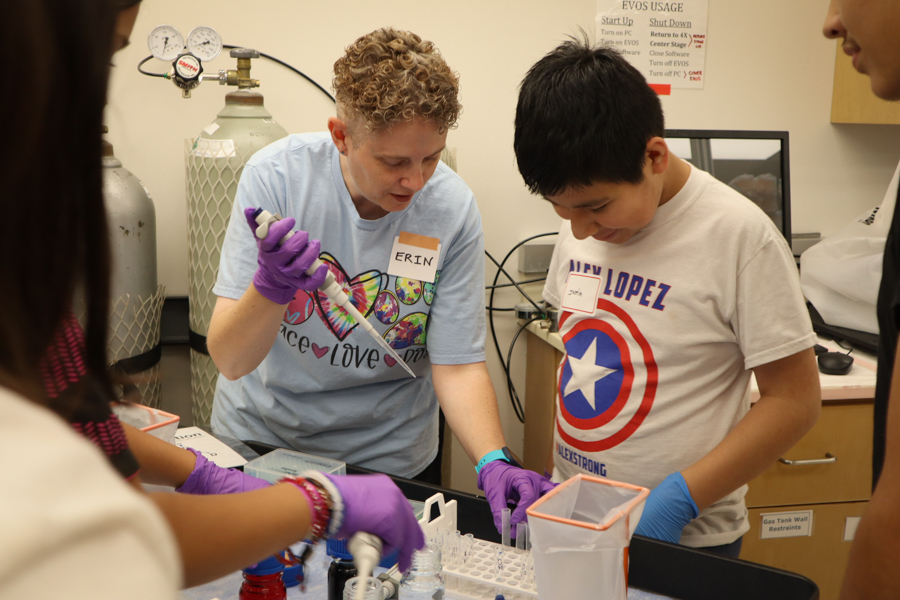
(326, 387)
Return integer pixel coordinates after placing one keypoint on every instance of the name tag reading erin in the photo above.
(415, 257)
(581, 293)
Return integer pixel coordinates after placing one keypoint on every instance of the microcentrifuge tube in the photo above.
(504, 521)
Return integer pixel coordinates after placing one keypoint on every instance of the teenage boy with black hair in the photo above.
(673, 289)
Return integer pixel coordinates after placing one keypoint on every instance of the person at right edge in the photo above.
(868, 33)
(697, 291)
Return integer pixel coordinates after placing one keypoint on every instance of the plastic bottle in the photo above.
(263, 581)
(366, 549)
(423, 580)
(373, 588)
(342, 568)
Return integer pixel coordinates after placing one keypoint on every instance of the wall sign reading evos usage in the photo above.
(665, 41)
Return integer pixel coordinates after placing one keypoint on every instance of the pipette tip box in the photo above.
(282, 463)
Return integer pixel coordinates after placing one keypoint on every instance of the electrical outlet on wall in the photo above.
(535, 257)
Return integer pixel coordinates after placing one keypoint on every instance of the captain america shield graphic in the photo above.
(608, 380)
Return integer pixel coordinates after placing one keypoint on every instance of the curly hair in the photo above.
(391, 76)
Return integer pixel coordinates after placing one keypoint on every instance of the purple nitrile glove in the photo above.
(503, 483)
(669, 508)
(374, 504)
(209, 478)
(282, 269)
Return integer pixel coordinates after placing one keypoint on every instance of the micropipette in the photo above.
(330, 287)
(366, 551)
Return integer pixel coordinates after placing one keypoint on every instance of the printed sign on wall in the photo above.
(665, 41)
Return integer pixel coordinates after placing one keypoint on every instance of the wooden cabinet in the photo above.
(853, 100)
(821, 557)
(541, 361)
(835, 492)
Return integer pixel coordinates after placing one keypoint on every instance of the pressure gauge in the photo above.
(204, 42)
(165, 42)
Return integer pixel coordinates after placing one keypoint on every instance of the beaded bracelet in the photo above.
(337, 502)
(319, 502)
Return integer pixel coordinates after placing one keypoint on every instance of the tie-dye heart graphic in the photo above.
(300, 308)
(409, 331)
(362, 290)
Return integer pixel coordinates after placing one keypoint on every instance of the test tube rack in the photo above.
(475, 569)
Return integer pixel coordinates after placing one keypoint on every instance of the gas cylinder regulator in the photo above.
(203, 44)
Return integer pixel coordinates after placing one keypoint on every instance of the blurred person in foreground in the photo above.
(75, 528)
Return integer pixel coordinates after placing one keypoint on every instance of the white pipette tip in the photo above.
(366, 551)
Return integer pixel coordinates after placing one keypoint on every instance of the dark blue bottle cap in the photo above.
(291, 575)
(338, 549)
(265, 567)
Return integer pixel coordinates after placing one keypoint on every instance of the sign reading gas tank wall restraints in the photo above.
(796, 523)
(665, 41)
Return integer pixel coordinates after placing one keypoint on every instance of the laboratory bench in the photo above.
(657, 570)
(824, 482)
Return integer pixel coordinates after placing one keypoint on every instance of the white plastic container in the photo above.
(278, 464)
(580, 532)
(155, 422)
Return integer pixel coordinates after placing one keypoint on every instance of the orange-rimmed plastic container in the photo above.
(156, 422)
(580, 532)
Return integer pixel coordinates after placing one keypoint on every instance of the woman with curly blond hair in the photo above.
(401, 232)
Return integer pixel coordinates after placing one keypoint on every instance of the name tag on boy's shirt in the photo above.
(415, 257)
(581, 293)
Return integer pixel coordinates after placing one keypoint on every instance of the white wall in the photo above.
(767, 67)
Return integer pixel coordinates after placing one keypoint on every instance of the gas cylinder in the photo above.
(214, 162)
(136, 298)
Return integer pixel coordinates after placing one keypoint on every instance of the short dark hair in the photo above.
(584, 116)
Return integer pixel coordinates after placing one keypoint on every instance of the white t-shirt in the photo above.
(658, 374)
(71, 527)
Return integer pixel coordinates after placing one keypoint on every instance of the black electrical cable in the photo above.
(264, 55)
(503, 285)
(513, 394)
(499, 309)
(500, 269)
(297, 71)
(509, 382)
(141, 64)
(513, 397)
